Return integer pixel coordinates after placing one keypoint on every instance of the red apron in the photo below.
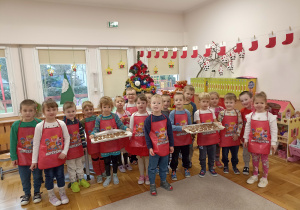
(131, 109)
(24, 146)
(110, 146)
(89, 127)
(259, 137)
(230, 123)
(159, 137)
(181, 138)
(125, 141)
(75, 148)
(137, 144)
(210, 137)
(51, 146)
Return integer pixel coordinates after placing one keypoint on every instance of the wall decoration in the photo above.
(207, 50)
(174, 56)
(272, 40)
(171, 64)
(156, 53)
(149, 53)
(184, 52)
(165, 55)
(289, 37)
(121, 65)
(108, 70)
(50, 71)
(142, 53)
(195, 52)
(155, 70)
(74, 67)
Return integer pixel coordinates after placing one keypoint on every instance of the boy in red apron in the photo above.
(214, 105)
(76, 149)
(88, 123)
(50, 147)
(231, 119)
(246, 100)
(179, 119)
(110, 150)
(207, 141)
(137, 144)
(21, 139)
(160, 142)
(260, 136)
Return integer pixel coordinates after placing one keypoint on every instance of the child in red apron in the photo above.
(148, 96)
(76, 149)
(21, 141)
(160, 142)
(246, 100)
(166, 104)
(125, 118)
(131, 107)
(179, 119)
(137, 144)
(214, 105)
(111, 149)
(231, 119)
(207, 141)
(50, 147)
(260, 136)
(88, 123)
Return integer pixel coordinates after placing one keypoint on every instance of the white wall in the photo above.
(277, 69)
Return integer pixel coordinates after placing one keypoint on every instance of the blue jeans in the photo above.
(25, 175)
(162, 162)
(234, 155)
(57, 172)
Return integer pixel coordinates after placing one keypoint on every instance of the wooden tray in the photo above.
(105, 133)
(217, 127)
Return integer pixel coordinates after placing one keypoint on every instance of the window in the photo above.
(5, 93)
(53, 65)
(165, 82)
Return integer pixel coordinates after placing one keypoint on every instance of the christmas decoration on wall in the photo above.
(155, 70)
(254, 44)
(174, 56)
(239, 46)
(156, 53)
(272, 40)
(149, 53)
(221, 70)
(242, 54)
(74, 67)
(142, 53)
(50, 71)
(139, 79)
(207, 50)
(195, 52)
(121, 65)
(108, 70)
(232, 55)
(171, 64)
(289, 37)
(184, 52)
(222, 49)
(165, 55)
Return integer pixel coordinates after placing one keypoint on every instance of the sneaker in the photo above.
(213, 172)
(147, 181)
(173, 175)
(153, 190)
(202, 173)
(252, 179)
(246, 170)
(115, 178)
(263, 182)
(107, 181)
(99, 179)
(25, 199)
(236, 170)
(141, 180)
(75, 187)
(128, 167)
(187, 173)
(122, 168)
(84, 183)
(54, 200)
(104, 174)
(37, 197)
(63, 196)
(226, 170)
(218, 164)
(166, 186)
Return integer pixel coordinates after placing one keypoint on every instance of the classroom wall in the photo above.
(277, 69)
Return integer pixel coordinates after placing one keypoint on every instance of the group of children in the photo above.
(156, 133)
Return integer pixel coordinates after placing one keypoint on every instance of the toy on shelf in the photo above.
(294, 148)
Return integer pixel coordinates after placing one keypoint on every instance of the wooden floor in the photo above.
(283, 188)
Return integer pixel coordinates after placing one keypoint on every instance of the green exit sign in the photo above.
(113, 24)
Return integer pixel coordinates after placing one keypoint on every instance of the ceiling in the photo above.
(169, 6)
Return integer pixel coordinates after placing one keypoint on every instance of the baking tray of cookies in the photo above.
(110, 135)
(204, 127)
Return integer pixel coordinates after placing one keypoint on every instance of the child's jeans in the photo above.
(234, 155)
(25, 175)
(162, 162)
(57, 172)
(210, 151)
(265, 163)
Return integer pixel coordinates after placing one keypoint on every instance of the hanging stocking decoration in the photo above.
(254, 44)
(289, 37)
(221, 70)
(165, 55)
(242, 54)
(156, 53)
(272, 40)
(142, 54)
(174, 56)
(222, 49)
(232, 55)
(239, 46)
(195, 52)
(207, 51)
(149, 53)
(184, 52)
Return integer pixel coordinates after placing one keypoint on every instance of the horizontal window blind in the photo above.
(62, 56)
(2, 53)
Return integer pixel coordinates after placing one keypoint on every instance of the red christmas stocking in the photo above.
(289, 38)
(254, 45)
(184, 52)
(207, 51)
(165, 55)
(272, 41)
(156, 54)
(149, 53)
(195, 52)
(239, 47)
(174, 53)
(142, 53)
(222, 50)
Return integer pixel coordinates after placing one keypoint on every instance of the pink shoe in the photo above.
(128, 167)
(141, 180)
(147, 181)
